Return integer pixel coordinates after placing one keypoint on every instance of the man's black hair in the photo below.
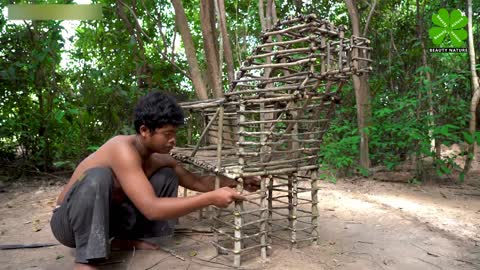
(155, 110)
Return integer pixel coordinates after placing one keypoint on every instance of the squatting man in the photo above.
(127, 189)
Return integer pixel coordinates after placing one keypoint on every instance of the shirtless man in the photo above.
(127, 189)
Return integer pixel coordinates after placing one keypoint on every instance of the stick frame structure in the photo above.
(270, 125)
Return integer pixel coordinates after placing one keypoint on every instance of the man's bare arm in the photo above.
(196, 182)
(200, 183)
(127, 167)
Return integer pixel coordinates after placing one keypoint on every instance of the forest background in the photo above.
(64, 92)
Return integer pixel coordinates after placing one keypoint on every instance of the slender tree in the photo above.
(227, 48)
(476, 92)
(360, 84)
(428, 77)
(195, 73)
(207, 24)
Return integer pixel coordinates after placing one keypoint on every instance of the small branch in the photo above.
(23, 246)
(365, 242)
(428, 252)
(468, 262)
(369, 17)
(172, 252)
(155, 44)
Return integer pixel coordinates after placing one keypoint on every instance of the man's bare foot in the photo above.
(121, 244)
(82, 266)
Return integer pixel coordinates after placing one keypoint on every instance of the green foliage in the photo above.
(340, 144)
(53, 115)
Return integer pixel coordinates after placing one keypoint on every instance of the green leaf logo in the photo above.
(451, 25)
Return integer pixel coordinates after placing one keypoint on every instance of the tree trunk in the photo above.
(194, 69)
(476, 93)
(266, 23)
(362, 93)
(227, 48)
(261, 13)
(209, 45)
(420, 29)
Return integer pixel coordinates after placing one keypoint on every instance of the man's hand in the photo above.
(251, 183)
(222, 197)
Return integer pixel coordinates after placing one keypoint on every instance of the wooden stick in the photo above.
(205, 132)
(276, 65)
(282, 43)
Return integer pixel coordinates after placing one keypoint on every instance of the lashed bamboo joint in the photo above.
(270, 124)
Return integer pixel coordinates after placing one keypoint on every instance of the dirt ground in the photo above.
(365, 224)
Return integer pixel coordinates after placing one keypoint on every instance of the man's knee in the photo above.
(165, 182)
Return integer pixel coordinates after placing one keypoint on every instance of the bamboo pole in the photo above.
(314, 220)
(276, 65)
(289, 51)
(283, 43)
(263, 202)
(219, 159)
(239, 204)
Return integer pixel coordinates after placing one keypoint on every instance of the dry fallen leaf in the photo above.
(36, 225)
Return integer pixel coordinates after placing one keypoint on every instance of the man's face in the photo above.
(163, 139)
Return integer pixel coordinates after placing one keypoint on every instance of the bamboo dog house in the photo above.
(270, 124)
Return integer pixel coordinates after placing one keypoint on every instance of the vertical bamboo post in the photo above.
(263, 203)
(219, 145)
(263, 217)
(323, 47)
(293, 182)
(313, 175)
(289, 116)
(290, 208)
(189, 140)
(270, 198)
(190, 128)
(219, 164)
(328, 57)
(237, 246)
(340, 49)
(205, 122)
(314, 221)
(205, 142)
(294, 215)
(354, 54)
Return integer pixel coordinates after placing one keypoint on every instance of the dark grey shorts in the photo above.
(88, 218)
